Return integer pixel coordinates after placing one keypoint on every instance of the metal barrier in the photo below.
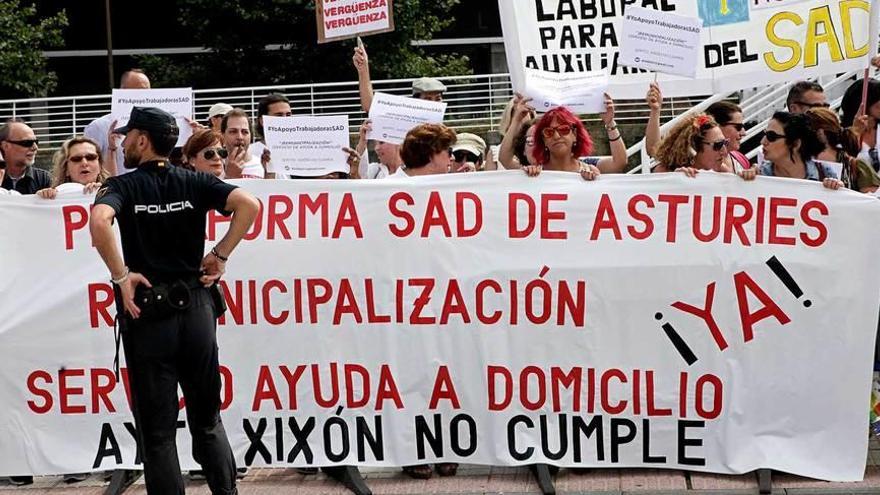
(476, 104)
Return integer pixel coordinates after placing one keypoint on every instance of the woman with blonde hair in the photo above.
(695, 143)
(78, 167)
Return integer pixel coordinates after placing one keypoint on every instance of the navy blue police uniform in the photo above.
(161, 210)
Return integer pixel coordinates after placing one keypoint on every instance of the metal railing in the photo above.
(476, 104)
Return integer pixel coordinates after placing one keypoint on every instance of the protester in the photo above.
(840, 145)
(509, 123)
(273, 105)
(170, 341)
(204, 152)
(216, 114)
(426, 150)
(805, 95)
(695, 143)
(388, 154)
(789, 144)
(78, 168)
(237, 133)
(101, 130)
(467, 153)
(866, 125)
(19, 146)
(560, 138)
(729, 117)
(425, 88)
(522, 116)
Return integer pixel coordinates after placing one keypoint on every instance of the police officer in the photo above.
(168, 303)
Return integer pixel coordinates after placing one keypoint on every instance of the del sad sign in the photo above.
(742, 41)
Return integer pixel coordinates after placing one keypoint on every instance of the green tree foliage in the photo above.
(237, 32)
(23, 37)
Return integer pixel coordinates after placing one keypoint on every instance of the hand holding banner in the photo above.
(308, 146)
(393, 116)
(581, 93)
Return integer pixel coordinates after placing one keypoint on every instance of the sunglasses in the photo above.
(209, 153)
(738, 126)
(25, 143)
(718, 145)
(563, 130)
(89, 157)
(773, 136)
(812, 105)
(461, 156)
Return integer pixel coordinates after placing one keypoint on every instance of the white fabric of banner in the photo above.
(482, 318)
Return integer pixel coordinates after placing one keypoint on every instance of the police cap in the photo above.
(150, 119)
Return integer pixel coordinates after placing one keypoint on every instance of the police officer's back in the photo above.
(168, 324)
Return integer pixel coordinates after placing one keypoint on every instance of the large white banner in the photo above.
(706, 324)
(743, 41)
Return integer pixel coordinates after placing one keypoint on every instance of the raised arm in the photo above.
(654, 99)
(365, 85)
(522, 112)
(616, 163)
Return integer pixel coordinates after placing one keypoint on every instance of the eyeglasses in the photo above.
(718, 145)
(738, 126)
(812, 105)
(209, 153)
(772, 136)
(462, 155)
(89, 157)
(25, 143)
(562, 130)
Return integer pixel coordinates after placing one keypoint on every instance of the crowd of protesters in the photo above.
(807, 140)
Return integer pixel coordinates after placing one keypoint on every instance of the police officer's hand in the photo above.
(127, 287)
(212, 269)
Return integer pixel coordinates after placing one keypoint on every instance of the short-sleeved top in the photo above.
(32, 181)
(162, 213)
(812, 169)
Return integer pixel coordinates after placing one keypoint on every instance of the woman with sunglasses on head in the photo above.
(695, 143)
(729, 117)
(840, 146)
(78, 169)
(204, 152)
(560, 141)
(789, 145)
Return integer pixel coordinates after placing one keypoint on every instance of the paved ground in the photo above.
(496, 480)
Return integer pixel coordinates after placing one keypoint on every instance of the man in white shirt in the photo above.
(237, 135)
(99, 129)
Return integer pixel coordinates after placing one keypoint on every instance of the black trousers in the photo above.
(159, 354)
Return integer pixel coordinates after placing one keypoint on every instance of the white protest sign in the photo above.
(393, 116)
(740, 46)
(832, 169)
(341, 19)
(581, 93)
(661, 42)
(308, 146)
(660, 321)
(176, 101)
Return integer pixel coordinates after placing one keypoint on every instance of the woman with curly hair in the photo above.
(560, 140)
(695, 143)
(78, 168)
